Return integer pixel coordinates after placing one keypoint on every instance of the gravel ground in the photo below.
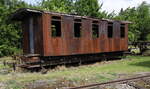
(136, 84)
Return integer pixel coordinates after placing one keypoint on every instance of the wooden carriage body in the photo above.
(57, 34)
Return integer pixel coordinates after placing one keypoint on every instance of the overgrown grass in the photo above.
(98, 72)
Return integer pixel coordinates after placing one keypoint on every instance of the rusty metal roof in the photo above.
(110, 20)
(20, 13)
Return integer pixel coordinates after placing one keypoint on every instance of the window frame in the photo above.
(96, 23)
(112, 29)
(59, 19)
(77, 21)
(122, 25)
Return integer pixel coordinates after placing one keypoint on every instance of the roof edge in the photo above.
(18, 14)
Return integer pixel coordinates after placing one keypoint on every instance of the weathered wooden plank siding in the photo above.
(67, 44)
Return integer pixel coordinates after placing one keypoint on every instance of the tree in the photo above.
(88, 8)
(10, 34)
(91, 8)
(139, 30)
(65, 6)
(80, 7)
(144, 21)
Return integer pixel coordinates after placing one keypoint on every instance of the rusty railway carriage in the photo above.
(51, 38)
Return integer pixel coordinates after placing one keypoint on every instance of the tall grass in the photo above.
(98, 72)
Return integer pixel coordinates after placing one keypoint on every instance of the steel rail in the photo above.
(110, 82)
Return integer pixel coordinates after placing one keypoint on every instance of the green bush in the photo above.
(148, 37)
(8, 50)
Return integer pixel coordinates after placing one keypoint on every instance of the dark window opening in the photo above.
(77, 20)
(122, 30)
(95, 29)
(110, 30)
(95, 22)
(56, 17)
(77, 28)
(56, 26)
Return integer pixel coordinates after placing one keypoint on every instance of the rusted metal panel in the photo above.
(40, 35)
(110, 43)
(76, 46)
(54, 44)
(67, 44)
(37, 26)
(67, 33)
(25, 29)
(106, 37)
(86, 36)
(96, 41)
(122, 44)
(116, 36)
(96, 47)
(36, 37)
(116, 29)
(124, 41)
(57, 42)
(57, 47)
(46, 35)
(117, 44)
(76, 42)
(126, 37)
(103, 36)
(110, 40)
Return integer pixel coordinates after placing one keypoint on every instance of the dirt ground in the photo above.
(143, 83)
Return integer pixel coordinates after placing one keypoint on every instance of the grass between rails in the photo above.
(86, 74)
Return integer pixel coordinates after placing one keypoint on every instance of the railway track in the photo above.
(127, 81)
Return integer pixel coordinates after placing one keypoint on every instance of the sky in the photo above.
(110, 5)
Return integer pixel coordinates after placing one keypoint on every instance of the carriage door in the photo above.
(31, 35)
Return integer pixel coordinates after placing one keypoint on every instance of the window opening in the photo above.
(77, 28)
(56, 26)
(110, 30)
(122, 30)
(95, 29)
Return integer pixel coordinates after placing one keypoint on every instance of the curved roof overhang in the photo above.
(24, 12)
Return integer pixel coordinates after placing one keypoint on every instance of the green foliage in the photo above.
(87, 7)
(144, 20)
(148, 37)
(57, 5)
(10, 34)
(81, 7)
(140, 16)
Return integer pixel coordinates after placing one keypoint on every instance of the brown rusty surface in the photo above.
(46, 35)
(126, 37)
(67, 44)
(25, 29)
(30, 59)
(37, 27)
